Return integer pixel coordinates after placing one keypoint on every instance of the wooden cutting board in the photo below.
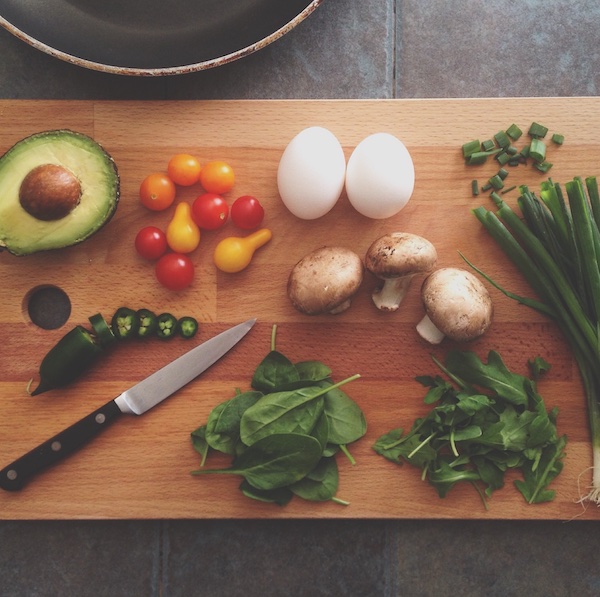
(140, 467)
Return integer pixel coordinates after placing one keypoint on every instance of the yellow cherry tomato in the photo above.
(183, 235)
(234, 253)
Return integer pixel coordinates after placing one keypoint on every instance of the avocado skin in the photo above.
(22, 234)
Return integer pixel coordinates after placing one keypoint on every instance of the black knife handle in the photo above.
(15, 475)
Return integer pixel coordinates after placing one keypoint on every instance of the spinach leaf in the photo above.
(198, 437)
(274, 371)
(321, 484)
(282, 412)
(346, 420)
(222, 429)
(280, 496)
(274, 461)
(312, 371)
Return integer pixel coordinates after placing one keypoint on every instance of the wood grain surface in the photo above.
(140, 467)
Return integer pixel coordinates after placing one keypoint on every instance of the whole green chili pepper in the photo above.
(68, 359)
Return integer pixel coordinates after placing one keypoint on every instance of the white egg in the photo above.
(380, 176)
(311, 173)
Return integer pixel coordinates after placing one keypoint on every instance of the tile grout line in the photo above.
(162, 558)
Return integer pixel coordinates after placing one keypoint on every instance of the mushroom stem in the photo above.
(390, 294)
(429, 332)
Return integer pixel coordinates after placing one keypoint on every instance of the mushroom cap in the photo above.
(324, 280)
(400, 254)
(457, 303)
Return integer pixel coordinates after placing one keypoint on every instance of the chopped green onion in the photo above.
(502, 139)
(470, 148)
(514, 132)
(496, 182)
(503, 158)
(537, 150)
(488, 145)
(558, 139)
(507, 190)
(474, 187)
(502, 173)
(537, 131)
(543, 166)
(479, 157)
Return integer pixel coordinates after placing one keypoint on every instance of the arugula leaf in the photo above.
(483, 422)
(493, 376)
(534, 486)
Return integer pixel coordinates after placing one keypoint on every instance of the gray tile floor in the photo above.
(346, 49)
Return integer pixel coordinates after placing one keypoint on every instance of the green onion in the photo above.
(502, 139)
(488, 145)
(474, 187)
(555, 243)
(537, 150)
(558, 139)
(537, 131)
(514, 132)
(470, 148)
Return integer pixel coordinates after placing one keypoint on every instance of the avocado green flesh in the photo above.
(23, 234)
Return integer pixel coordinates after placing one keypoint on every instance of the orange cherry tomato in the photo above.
(184, 169)
(217, 177)
(157, 191)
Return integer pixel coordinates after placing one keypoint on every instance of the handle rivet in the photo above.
(100, 418)
(11, 475)
(56, 446)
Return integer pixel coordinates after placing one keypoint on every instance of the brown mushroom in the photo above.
(396, 258)
(325, 280)
(457, 305)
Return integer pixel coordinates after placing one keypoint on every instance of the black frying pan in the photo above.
(151, 37)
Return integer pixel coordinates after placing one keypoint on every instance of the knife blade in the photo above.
(134, 401)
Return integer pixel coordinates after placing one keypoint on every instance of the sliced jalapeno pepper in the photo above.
(188, 327)
(67, 360)
(167, 326)
(125, 323)
(103, 331)
(148, 323)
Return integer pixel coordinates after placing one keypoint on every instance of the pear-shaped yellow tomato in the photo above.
(183, 235)
(235, 253)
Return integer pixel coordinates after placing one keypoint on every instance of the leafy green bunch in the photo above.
(284, 434)
(483, 422)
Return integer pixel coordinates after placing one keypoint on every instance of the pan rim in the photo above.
(167, 70)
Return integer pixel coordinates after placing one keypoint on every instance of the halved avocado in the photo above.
(57, 188)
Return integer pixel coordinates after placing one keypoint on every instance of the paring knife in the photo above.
(134, 401)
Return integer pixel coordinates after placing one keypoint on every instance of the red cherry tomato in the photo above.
(210, 211)
(151, 243)
(247, 212)
(174, 271)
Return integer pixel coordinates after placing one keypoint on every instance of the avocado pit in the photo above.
(50, 192)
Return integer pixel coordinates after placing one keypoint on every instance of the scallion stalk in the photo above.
(556, 246)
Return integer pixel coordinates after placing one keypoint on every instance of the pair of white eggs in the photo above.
(379, 177)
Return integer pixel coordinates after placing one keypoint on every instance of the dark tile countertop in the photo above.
(346, 49)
